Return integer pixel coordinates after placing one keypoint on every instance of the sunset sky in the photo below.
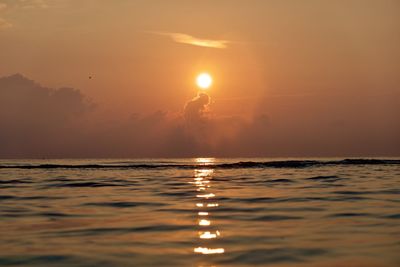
(290, 78)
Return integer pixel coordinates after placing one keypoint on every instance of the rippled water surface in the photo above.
(200, 212)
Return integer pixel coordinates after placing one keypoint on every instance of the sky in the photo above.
(103, 78)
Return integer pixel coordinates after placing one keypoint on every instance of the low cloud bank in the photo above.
(40, 122)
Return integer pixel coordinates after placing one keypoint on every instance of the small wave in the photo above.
(15, 182)
(298, 199)
(350, 214)
(271, 218)
(331, 178)
(57, 214)
(353, 192)
(10, 197)
(393, 216)
(280, 181)
(235, 165)
(123, 230)
(26, 213)
(273, 255)
(83, 184)
(123, 204)
(5, 197)
(177, 194)
(40, 260)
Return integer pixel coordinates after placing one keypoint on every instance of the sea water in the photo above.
(200, 212)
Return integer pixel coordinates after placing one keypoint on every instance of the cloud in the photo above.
(4, 24)
(24, 4)
(3, 6)
(191, 40)
(195, 109)
(36, 121)
(25, 98)
(28, 4)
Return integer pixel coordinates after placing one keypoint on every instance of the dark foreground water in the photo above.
(203, 213)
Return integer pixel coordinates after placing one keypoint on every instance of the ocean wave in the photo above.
(234, 165)
(261, 256)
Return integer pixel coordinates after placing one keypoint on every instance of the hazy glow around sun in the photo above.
(204, 80)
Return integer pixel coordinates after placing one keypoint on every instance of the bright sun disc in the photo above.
(204, 80)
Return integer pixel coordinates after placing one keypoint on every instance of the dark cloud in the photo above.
(195, 109)
(35, 119)
(23, 101)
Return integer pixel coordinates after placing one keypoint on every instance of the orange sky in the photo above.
(315, 69)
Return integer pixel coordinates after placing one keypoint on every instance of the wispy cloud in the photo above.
(3, 23)
(33, 4)
(3, 6)
(191, 40)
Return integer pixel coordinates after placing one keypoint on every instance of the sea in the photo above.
(201, 212)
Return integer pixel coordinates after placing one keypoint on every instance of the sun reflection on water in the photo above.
(205, 160)
(204, 222)
(206, 195)
(202, 182)
(208, 235)
(209, 250)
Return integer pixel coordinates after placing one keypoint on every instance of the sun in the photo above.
(204, 81)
